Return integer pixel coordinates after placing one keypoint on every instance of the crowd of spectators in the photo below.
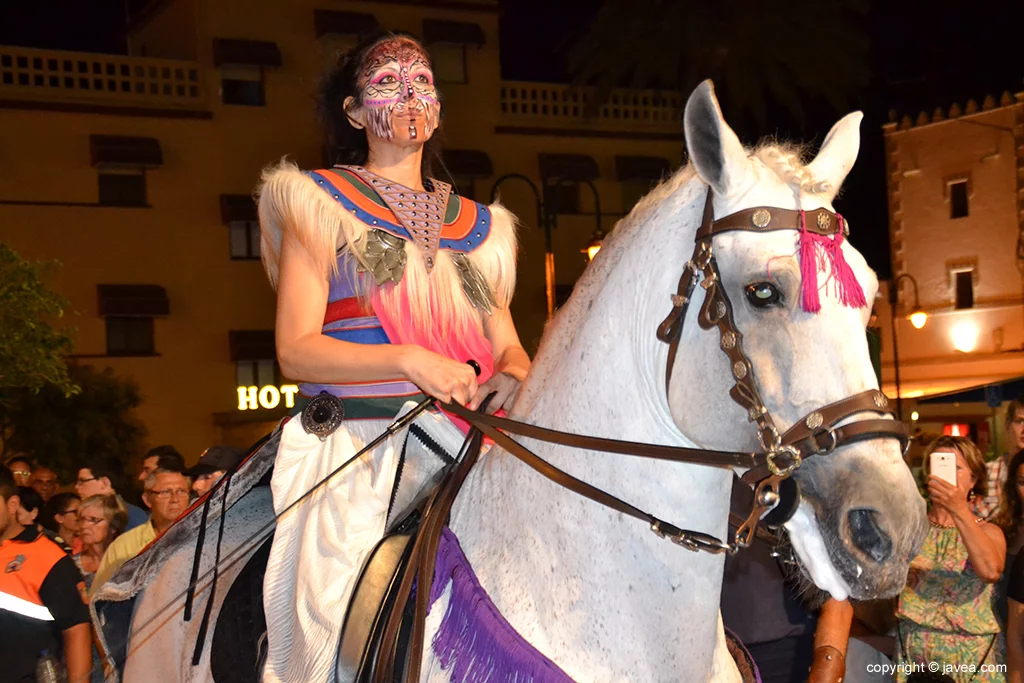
(58, 546)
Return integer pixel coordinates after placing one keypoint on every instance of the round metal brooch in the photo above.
(728, 340)
(761, 218)
(739, 369)
(814, 420)
(323, 415)
(824, 221)
(880, 400)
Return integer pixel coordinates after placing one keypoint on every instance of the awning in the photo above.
(330, 22)
(236, 208)
(992, 394)
(468, 163)
(132, 300)
(123, 151)
(641, 168)
(452, 32)
(252, 345)
(567, 167)
(235, 52)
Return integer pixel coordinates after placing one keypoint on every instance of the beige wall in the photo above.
(180, 243)
(986, 145)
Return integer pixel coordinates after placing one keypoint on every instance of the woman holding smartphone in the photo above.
(947, 612)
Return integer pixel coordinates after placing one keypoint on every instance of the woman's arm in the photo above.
(306, 354)
(986, 544)
(509, 355)
(511, 363)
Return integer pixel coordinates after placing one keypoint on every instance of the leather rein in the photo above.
(819, 433)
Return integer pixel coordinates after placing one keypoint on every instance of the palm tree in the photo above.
(784, 51)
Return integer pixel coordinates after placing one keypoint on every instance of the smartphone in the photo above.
(943, 466)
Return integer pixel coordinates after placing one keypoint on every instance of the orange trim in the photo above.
(355, 196)
(464, 223)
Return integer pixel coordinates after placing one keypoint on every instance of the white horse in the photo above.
(596, 592)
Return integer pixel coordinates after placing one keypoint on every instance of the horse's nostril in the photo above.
(867, 535)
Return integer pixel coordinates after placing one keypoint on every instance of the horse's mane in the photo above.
(785, 159)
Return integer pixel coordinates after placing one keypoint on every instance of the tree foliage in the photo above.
(95, 425)
(784, 51)
(33, 354)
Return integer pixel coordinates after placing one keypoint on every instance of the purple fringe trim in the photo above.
(750, 658)
(474, 643)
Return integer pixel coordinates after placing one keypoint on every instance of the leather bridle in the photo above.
(819, 433)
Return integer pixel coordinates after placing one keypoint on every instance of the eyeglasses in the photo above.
(164, 494)
(21, 473)
(1016, 422)
(86, 481)
(72, 511)
(89, 521)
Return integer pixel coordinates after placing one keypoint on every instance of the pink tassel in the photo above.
(809, 267)
(848, 289)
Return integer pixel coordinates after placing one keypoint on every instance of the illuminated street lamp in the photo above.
(918, 318)
(595, 245)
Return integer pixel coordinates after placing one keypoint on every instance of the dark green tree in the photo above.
(33, 354)
(95, 425)
(785, 51)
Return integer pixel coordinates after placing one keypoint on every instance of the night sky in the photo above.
(924, 54)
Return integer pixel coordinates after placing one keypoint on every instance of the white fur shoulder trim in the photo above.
(291, 203)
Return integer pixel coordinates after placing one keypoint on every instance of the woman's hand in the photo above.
(439, 376)
(942, 493)
(505, 388)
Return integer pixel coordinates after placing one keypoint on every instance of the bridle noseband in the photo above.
(818, 433)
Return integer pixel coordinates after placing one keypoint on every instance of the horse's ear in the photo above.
(714, 149)
(837, 154)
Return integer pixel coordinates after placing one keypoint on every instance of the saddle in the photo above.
(383, 633)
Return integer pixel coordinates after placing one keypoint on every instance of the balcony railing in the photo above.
(51, 75)
(543, 104)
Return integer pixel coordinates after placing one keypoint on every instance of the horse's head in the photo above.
(861, 519)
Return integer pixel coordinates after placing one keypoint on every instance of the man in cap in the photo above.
(214, 463)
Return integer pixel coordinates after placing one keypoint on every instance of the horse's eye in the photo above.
(763, 295)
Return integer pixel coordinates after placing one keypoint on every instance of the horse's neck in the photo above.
(594, 590)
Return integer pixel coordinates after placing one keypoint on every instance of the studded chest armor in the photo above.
(421, 212)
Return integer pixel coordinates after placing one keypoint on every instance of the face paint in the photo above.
(398, 85)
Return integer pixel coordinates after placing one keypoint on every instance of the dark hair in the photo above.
(30, 499)
(1010, 507)
(101, 471)
(56, 506)
(349, 145)
(1015, 405)
(20, 458)
(7, 487)
(167, 457)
